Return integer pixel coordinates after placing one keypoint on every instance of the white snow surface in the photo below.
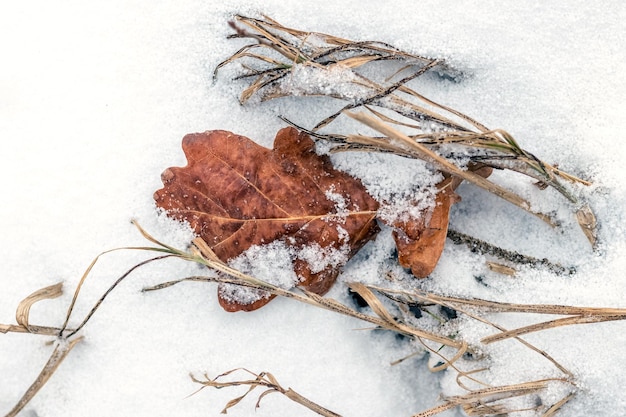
(95, 98)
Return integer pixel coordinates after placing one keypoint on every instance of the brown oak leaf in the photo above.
(236, 194)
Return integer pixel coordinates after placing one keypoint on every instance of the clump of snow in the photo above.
(405, 208)
(319, 258)
(341, 205)
(406, 188)
(272, 263)
(309, 80)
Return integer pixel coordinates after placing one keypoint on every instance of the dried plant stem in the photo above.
(22, 313)
(60, 352)
(579, 315)
(41, 330)
(557, 406)
(431, 298)
(111, 288)
(527, 308)
(479, 399)
(482, 401)
(205, 256)
(163, 248)
(264, 380)
(23, 310)
(567, 321)
(65, 339)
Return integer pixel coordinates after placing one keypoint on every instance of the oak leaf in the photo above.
(236, 194)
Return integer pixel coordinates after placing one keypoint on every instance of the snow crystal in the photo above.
(270, 262)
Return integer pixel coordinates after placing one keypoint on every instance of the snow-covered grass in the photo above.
(94, 100)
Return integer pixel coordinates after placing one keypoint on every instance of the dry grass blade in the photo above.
(23, 309)
(64, 344)
(202, 254)
(392, 323)
(169, 251)
(578, 315)
(409, 297)
(379, 93)
(60, 352)
(556, 407)
(484, 401)
(436, 410)
(269, 383)
(479, 126)
(567, 321)
(106, 293)
(523, 308)
(371, 300)
(22, 313)
(479, 402)
(40, 330)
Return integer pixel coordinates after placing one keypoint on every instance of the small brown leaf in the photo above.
(236, 194)
(420, 240)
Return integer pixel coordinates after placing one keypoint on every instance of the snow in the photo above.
(95, 98)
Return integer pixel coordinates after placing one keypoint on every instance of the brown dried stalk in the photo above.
(61, 350)
(22, 314)
(262, 380)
